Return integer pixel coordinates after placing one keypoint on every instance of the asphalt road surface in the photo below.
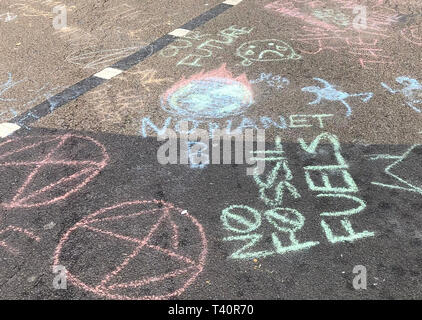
(87, 211)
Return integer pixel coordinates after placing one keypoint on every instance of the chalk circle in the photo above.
(207, 95)
(285, 219)
(209, 98)
(47, 169)
(241, 219)
(140, 250)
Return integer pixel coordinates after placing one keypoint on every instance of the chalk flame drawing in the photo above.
(25, 232)
(413, 34)
(149, 229)
(330, 93)
(51, 172)
(213, 94)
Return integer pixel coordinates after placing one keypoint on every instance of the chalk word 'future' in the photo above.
(412, 91)
(207, 45)
(244, 221)
(330, 93)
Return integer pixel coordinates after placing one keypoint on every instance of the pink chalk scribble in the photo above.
(48, 169)
(413, 34)
(287, 7)
(316, 37)
(127, 244)
(25, 232)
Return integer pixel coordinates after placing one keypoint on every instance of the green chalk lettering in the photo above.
(295, 246)
(410, 187)
(249, 225)
(362, 205)
(296, 123)
(311, 148)
(348, 227)
(290, 222)
(320, 116)
(328, 187)
(251, 239)
(194, 62)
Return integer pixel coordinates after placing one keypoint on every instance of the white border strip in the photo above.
(108, 73)
(7, 128)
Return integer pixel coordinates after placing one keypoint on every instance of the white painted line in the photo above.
(108, 73)
(232, 2)
(8, 128)
(179, 32)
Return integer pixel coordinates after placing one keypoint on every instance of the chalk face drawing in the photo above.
(142, 250)
(271, 80)
(244, 222)
(413, 34)
(402, 170)
(330, 93)
(214, 94)
(266, 50)
(48, 169)
(412, 91)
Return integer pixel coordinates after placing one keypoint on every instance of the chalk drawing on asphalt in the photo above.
(213, 94)
(48, 169)
(140, 250)
(9, 84)
(265, 51)
(275, 81)
(101, 58)
(207, 48)
(243, 222)
(412, 91)
(27, 233)
(403, 170)
(413, 34)
(330, 93)
(7, 17)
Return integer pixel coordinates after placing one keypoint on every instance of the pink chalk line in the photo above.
(20, 201)
(103, 289)
(27, 233)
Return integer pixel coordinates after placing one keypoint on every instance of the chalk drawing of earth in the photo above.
(214, 94)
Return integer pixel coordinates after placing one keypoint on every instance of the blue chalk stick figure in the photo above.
(330, 93)
(412, 91)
